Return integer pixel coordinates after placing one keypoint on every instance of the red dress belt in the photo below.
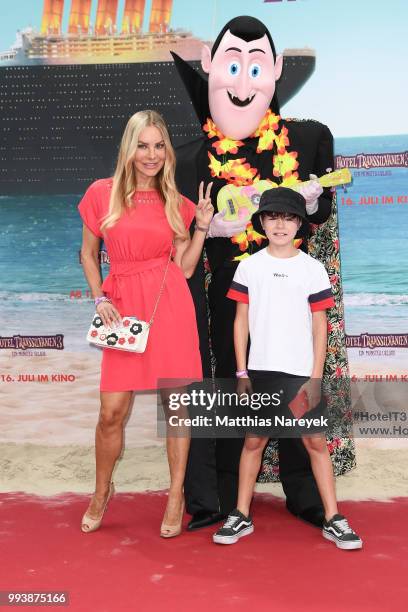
(119, 269)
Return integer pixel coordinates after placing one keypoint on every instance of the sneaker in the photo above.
(339, 531)
(236, 526)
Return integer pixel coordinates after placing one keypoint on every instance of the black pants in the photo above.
(212, 472)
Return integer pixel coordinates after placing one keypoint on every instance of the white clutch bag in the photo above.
(131, 335)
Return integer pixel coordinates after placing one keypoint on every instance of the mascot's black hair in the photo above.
(245, 27)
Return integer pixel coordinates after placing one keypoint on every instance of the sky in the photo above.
(361, 52)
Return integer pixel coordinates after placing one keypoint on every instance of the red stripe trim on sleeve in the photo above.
(322, 305)
(233, 294)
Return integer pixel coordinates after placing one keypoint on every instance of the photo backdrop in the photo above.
(68, 84)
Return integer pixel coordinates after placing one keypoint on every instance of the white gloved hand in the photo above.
(311, 193)
(225, 229)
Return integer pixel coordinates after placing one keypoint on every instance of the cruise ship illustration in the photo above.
(66, 97)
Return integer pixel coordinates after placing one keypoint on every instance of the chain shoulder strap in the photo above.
(162, 287)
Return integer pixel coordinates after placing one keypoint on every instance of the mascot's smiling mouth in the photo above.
(235, 100)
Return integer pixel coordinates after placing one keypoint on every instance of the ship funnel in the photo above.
(106, 16)
(52, 17)
(160, 15)
(79, 17)
(133, 16)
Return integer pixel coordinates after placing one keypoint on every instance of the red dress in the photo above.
(138, 246)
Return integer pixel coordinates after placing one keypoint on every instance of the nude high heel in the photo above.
(171, 531)
(89, 524)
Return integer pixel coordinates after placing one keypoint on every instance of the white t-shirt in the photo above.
(282, 293)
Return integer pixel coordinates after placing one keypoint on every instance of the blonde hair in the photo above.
(124, 178)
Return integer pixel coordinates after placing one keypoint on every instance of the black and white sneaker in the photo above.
(236, 526)
(339, 531)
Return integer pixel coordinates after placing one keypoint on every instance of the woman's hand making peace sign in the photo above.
(204, 209)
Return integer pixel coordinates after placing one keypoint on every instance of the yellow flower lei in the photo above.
(239, 172)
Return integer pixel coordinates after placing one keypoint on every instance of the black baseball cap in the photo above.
(281, 200)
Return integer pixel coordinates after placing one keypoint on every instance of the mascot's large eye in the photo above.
(234, 68)
(254, 71)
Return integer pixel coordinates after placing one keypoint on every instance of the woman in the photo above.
(139, 213)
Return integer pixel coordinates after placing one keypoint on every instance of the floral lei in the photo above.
(240, 173)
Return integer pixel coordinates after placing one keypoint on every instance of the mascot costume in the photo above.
(247, 147)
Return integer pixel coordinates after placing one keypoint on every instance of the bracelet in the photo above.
(100, 299)
(201, 229)
(241, 374)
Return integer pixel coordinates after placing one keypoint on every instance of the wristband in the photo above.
(201, 229)
(100, 299)
(241, 373)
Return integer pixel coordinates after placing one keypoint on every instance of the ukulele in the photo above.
(241, 202)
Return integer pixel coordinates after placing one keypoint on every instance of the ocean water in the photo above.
(374, 241)
(41, 238)
(39, 268)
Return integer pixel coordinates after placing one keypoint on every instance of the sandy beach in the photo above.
(44, 470)
(47, 431)
(55, 411)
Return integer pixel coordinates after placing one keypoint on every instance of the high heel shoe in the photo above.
(89, 524)
(171, 531)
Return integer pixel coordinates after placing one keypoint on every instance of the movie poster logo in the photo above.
(24, 343)
(372, 160)
(376, 341)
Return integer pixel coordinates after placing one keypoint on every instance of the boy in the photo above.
(282, 296)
